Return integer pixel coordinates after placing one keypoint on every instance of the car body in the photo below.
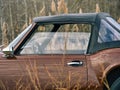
(68, 51)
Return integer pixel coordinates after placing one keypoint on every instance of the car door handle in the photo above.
(75, 63)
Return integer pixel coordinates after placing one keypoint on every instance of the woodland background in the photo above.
(15, 15)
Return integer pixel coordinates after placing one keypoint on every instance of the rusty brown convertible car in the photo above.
(68, 51)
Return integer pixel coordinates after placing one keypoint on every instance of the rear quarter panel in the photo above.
(99, 64)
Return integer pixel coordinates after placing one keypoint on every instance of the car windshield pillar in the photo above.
(11, 46)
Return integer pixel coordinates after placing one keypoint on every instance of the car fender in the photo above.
(109, 69)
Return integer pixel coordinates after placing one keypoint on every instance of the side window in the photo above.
(107, 33)
(32, 46)
(69, 39)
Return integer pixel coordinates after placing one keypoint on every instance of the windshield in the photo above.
(113, 22)
(107, 33)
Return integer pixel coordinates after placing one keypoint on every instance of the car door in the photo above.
(51, 60)
(58, 71)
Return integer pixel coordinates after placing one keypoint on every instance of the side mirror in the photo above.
(8, 52)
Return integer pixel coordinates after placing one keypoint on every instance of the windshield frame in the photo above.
(14, 43)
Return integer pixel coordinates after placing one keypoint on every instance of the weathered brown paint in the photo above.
(101, 63)
(89, 75)
(55, 65)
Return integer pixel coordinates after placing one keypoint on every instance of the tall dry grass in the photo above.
(118, 20)
(5, 39)
(61, 82)
(53, 7)
(97, 8)
(103, 78)
(34, 77)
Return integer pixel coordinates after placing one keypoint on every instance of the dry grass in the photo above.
(104, 79)
(2, 86)
(119, 20)
(53, 7)
(105, 82)
(5, 39)
(34, 83)
(97, 8)
(34, 77)
(33, 80)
